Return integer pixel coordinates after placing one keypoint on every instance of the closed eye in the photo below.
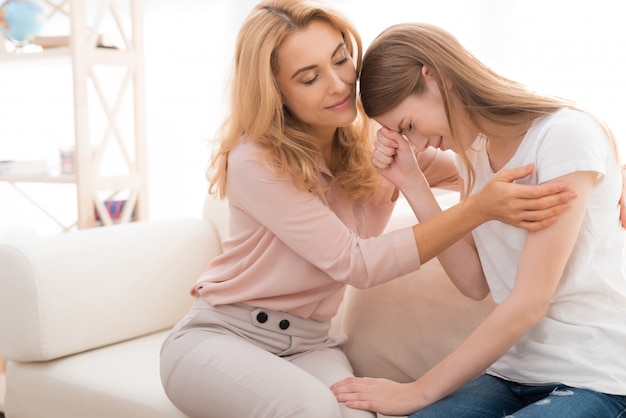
(344, 57)
(311, 81)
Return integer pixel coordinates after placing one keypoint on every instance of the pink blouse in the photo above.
(294, 251)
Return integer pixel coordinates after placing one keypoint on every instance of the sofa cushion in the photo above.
(81, 290)
(121, 380)
(402, 328)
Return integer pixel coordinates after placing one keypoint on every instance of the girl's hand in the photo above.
(379, 395)
(394, 157)
(529, 207)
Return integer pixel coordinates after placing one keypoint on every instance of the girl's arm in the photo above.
(439, 169)
(460, 260)
(541, 265)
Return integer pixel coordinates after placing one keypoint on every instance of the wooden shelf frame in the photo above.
(93, 188)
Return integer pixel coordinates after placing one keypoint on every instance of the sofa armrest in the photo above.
(81, 290)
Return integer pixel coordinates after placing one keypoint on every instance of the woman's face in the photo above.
(423, 121)
(317, 78)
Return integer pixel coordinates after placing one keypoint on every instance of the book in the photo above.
(64, 41)
(26, 167)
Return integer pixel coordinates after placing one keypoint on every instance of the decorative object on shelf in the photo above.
(67, 160)
(115, 209)
(21, 21)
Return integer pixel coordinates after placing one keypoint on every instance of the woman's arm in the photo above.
(541, 265)
(460, 260)
(496, 201)
(309, 228)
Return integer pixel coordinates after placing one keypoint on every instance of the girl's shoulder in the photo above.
(568, 117)
(568, 124)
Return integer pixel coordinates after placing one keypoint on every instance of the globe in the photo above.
(21, 20)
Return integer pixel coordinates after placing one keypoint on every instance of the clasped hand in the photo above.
(394, 157)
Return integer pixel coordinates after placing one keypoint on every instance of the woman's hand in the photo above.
(394, 158)
(379, 395)
(531, 207)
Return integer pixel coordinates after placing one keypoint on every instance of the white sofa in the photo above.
(83, 315)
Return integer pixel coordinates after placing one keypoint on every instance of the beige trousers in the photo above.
(245, 362)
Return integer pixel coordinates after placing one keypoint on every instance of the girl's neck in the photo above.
(503, 142)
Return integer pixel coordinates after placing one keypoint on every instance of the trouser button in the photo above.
(284, 324)
(261, 317)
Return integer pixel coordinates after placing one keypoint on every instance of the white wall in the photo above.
(576, 49)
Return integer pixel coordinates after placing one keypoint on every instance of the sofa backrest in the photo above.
(86, 289)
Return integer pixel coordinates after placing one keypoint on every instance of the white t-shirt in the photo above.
(581, 342)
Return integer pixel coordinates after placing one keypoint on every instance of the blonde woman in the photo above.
(555, 346)
(307, 210)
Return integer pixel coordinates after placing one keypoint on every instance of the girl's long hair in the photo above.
(392, 68)
(256, 108)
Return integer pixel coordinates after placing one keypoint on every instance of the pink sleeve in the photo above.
(312, 230)
(439, 168)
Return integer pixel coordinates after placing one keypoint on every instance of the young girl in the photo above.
(306, 212)
(555, 346)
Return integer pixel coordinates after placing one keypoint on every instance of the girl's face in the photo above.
(317, 78)
(422, 120)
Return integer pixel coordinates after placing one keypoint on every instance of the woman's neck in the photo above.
(326, 148)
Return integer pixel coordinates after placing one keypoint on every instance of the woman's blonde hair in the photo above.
(256, 108)
(392, 68)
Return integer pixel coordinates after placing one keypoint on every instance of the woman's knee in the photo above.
(321, 403)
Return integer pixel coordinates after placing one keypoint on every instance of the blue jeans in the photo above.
(491, 397)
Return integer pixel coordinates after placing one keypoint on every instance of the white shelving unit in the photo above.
(94, 187)
(85, 56)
